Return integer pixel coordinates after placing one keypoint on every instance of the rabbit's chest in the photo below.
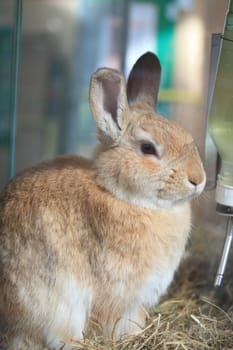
(143, 280)
(146, 276)
(155, 285)
(142, 267)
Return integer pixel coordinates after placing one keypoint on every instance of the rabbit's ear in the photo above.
(108, 101)
(144, 79)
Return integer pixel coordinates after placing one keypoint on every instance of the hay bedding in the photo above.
(193, 316)
(189, 318)
(183, 322)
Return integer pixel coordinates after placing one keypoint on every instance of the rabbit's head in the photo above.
(144, 158)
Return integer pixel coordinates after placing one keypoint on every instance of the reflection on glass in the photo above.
(7, 16)
(63, 43)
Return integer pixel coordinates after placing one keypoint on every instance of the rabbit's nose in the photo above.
(196, 178)
(196, 174)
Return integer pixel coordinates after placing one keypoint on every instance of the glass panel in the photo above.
(7, 22)
(63, 43)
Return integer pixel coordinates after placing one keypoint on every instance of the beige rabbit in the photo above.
(99, 240)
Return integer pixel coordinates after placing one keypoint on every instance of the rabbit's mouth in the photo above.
(172, 199)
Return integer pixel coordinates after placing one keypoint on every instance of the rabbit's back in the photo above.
(40, 211)
(41, 201)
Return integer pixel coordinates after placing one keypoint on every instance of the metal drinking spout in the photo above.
(225, 253)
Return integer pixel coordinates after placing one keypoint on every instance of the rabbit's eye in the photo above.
(148, 148)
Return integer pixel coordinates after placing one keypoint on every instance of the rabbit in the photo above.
(86, 242)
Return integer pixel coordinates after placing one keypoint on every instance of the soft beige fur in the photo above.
(97, 242)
